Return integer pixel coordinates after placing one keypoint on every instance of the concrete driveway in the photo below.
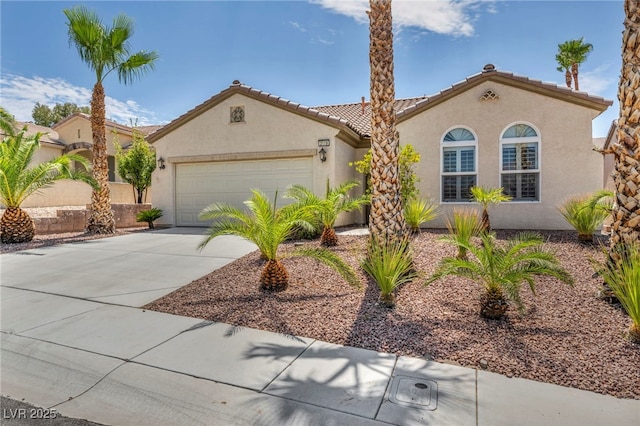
(130, 270)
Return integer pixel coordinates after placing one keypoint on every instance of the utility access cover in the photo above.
(414, 392)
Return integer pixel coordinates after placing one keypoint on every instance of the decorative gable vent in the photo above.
(237, 114)
(489, 95)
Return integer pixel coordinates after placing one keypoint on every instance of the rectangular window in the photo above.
(458, 173)
(520, 176)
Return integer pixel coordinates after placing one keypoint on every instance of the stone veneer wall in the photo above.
(76, 220)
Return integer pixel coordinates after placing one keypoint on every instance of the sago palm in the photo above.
(104, 49)
(268, 226)
(622, 274)
(503, 270)
(486, 197)
(19, 178)
(327, 209)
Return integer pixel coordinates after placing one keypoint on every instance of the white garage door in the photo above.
(200, 184)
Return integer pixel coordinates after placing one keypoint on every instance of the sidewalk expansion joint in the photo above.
(287, 366)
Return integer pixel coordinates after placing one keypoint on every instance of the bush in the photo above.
(418, 211)
(390, 264)
(149, 216)
(622, 274)
(585, 215)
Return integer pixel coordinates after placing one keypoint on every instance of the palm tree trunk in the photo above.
(568, 78)
(574, 73)
(101, 220)
(626, 212)
(16, 226)
(386, 217)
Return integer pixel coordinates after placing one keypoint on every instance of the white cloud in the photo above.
(451, 17)
(598, 80)
(297, 26)
(19, 94)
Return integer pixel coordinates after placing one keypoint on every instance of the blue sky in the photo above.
(311, 52)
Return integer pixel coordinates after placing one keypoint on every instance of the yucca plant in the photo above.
(586, 214)
(327, 209)
(268, 226)
(486, 197)
(623, 278)
(503, 270)
(418, 211)
(390, 264)
(462, 228)
(149, 216)
(19, 178)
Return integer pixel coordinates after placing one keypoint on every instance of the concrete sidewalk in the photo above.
(74, 339)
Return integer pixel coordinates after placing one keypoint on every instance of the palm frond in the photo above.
(332, 260)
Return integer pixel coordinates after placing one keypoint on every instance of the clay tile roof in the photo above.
(48, 134)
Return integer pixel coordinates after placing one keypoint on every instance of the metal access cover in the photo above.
(414, 392)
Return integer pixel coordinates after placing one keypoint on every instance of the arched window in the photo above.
(520, 162)
(459, 165)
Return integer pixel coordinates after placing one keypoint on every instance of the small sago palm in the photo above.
(462, 228)
(586, 214)
(268, 227)
(390, 265)
(418, 211)
(486, 197)
(623, 277)
(503, 270)
(149, 216)
(19, 178)
(327, 209)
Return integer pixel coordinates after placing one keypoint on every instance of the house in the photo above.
(73, 135)
(492, 129)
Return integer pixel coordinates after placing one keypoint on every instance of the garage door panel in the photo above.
(200, 184)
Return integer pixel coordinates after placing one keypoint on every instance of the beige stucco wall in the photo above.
(72, 193)
(568, 164)
(266, 128)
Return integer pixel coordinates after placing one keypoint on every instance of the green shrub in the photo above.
(623, 277)
(418, 211)
(585, 214)
(390, 265)
(462, 228)
(149, 216)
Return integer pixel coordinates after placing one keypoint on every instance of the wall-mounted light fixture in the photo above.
(323, 155)
(161, 165)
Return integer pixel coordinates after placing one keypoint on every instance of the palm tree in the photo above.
(625, 228)
(327, 209)
(104, 49)
(503, 270)
(573, 52)
(268, 227)
(486, 197)
(7, 123)
(564, 64)
(386, 217)
(19, 179)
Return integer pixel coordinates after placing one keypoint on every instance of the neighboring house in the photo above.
(492, 129)
(73, 135)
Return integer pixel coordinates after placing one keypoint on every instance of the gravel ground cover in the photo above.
(568, 336)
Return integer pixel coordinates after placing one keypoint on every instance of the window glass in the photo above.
(458, 165)
(520, 166)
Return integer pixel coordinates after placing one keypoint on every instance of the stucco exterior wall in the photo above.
(212, 137)
(568, 164)
(72, 193)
